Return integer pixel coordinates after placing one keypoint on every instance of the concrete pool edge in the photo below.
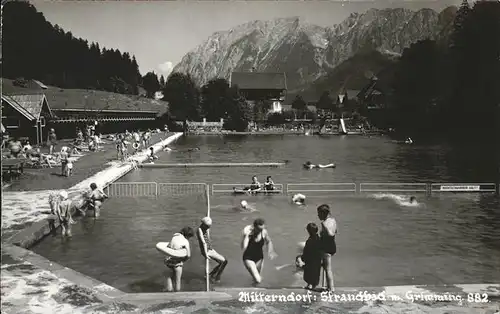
(107, 293)
(38, 230)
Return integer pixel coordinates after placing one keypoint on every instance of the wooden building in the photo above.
(372, 96)
(269, 88)
(75, 108)
(26, 116)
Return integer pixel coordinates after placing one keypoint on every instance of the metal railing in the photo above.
(153, 189)
(316, 187)
(181, 189)
(132, 189)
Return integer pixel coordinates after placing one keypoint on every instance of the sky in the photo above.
(160, 33)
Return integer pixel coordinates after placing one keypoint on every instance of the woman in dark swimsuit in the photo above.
(327, 242)
(254, 238)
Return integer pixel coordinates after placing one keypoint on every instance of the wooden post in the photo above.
(37, 133)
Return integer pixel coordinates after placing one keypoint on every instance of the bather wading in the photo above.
(95, 199)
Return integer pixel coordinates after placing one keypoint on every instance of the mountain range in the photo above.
(309, 53)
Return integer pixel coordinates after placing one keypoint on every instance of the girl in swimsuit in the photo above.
(327, 242)
(254, 238)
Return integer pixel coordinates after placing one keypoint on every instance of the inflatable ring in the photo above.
(136, 145)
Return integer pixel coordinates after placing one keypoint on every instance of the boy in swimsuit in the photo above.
(152, 157)
(312, 257)
(327, 240)
(179, 241)
(63, 213)
(269, 184)
(254, 238)
(203, 234)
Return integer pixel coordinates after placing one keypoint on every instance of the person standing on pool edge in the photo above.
(254, 238)
(203, 234)
(327, 242)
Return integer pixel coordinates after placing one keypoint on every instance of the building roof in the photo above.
(32, 103)
(258, 80)
(83, 99)
(14, 104)
(351, 93)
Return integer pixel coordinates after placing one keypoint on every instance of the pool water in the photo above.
(446, 239)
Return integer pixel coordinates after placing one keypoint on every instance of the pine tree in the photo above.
(48, 53)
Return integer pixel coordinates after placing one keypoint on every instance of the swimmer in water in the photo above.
(299, 199)
(413, 200)
(269, 184)
(308, 165)
(409, 141)
(245, 207)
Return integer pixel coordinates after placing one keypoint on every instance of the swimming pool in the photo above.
(447, 239)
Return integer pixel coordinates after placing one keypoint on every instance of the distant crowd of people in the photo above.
(87, 139)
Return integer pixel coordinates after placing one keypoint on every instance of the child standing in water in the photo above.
(179, 241)
(312, 257)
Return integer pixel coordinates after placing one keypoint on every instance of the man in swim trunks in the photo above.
(179, 241)
(255, 186)
(327, 241)
(254, 238)
(15, 148)
(203, 234)
(51, 140)
(95, 199)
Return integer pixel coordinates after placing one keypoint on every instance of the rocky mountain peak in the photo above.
(304, 51)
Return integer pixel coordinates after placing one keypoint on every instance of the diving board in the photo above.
(213, 164)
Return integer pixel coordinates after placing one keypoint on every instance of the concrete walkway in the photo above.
(20, 210)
